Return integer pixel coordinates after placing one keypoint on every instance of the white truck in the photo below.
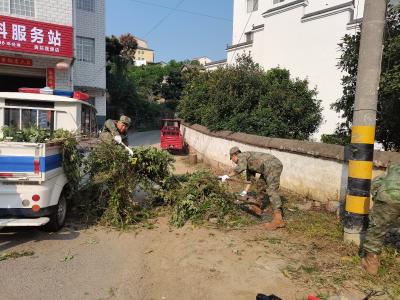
(32, 180)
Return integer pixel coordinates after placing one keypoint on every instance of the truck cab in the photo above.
(32, 181)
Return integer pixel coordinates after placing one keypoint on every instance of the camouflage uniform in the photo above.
(270, 169)
(385, 213)
(110, 130)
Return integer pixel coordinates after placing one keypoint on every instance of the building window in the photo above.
(22, 7)
(249, 37)
(278, 1)
(92, 100)
(5, 6)
(87, 5)
(85, 49)
(252, 5)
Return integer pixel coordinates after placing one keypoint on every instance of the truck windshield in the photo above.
(25, 114)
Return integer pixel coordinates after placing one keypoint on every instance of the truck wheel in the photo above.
(57, 219)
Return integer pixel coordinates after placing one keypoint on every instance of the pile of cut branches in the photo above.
(115, 178)
(31, 134)
(200, 197)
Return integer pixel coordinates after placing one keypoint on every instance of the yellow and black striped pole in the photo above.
(359, 181)
(364, 121)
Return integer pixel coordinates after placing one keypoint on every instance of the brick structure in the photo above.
(81, 41)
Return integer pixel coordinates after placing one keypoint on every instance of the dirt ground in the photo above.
(161, 262)
(157, 263)
(187, 263)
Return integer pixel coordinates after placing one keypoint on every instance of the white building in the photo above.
(202, 60)
(211, 66)
(301, 36)
(59, 44)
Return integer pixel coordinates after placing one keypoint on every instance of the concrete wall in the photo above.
(54, 11)
(241, 17)
(315, 170)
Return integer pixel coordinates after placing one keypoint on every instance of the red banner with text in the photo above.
(7, 60)
(51, 78)
(20, 35)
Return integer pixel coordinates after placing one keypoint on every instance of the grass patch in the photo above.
(315, 225)
(68, 257)
(327, 264)
(15, 254)
(310, 269)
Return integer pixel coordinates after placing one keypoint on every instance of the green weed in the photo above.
(15, 254)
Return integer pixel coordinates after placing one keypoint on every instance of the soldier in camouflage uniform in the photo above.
(116, 130)
(385, 214)
(270, 169)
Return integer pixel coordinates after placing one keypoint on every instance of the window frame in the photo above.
(80, 4)
(5, 4)
(19, 111)
(80, 49)
(32, 10)
(252, 6)
(7, 7)
(249, 37)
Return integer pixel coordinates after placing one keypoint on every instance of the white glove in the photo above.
(244, 193)
(130, 151)
(224, 178)
(118, 139)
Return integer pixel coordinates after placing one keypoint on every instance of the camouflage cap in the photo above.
(125, 120)
(234, 150)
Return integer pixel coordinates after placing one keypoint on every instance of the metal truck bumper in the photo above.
(23, 222)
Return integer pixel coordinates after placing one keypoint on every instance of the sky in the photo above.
(174, 34)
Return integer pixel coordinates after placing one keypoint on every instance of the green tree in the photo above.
(172, 86)
(244, 98)
(120, 51)
(155, 82)
(388, 121)
(129, 46)
(113, 48)
(123, 93)
(148, 79)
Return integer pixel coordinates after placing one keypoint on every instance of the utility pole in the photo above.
(364, 121)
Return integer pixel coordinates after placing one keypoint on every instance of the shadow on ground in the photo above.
(15, 236)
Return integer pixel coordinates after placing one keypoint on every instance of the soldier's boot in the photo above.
(277, 221)
(370, 263)
(255, 209)
(255, 205)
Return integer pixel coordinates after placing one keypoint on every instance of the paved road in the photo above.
(144, 138)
